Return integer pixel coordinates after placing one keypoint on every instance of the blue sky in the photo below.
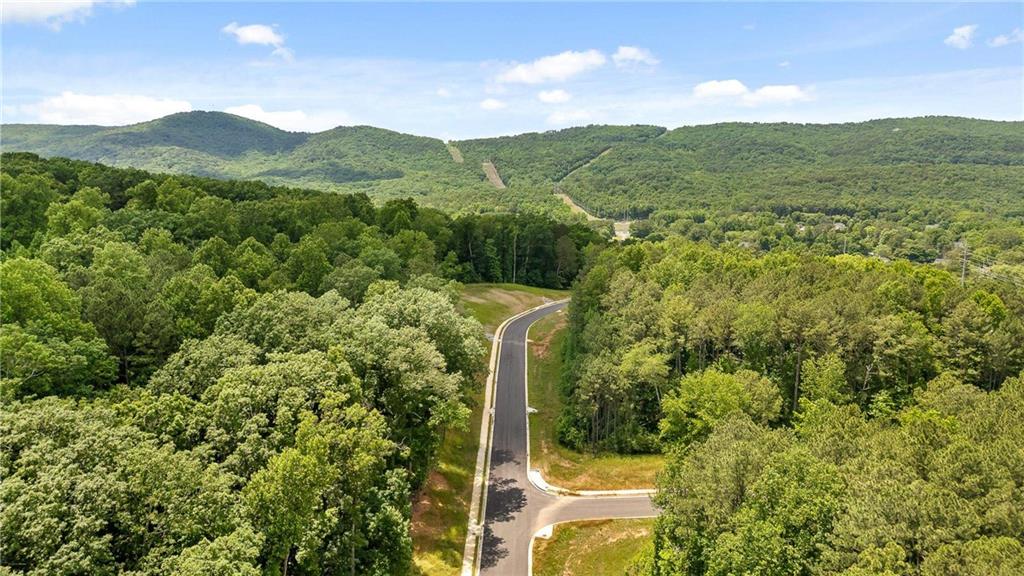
(466, 70)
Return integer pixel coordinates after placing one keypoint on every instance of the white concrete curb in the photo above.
(544, 533)
(478, 503)
(547, 532)
(534, 474)
(540, 484)
(471, 555)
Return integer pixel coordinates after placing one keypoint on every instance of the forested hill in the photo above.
(804, 165)
(382, 163)
(861, 169)
(227, 146)
(204, 376)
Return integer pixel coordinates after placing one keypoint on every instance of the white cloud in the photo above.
(107, 110)
(443, 92)
(1015, 37)
(291, 120)
(492, 104)
(52, 13)
(284, 119)
(719, 88)
(259, 34)
(784, 64)
(777, 94)
(554, 96)
(569, 118)
(254, 34)
(626, 55)
(962, 37)
(557, 68)
(768, 94)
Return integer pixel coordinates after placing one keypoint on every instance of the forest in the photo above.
(909, 188)
(820, 328)
(541, 159)
(205, 376)
(820, 414)
(896, 188)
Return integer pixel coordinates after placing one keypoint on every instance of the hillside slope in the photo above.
(948, 169)
(806, 166)
(382, 163)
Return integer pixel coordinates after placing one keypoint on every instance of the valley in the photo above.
(511, 288)
(833, 186)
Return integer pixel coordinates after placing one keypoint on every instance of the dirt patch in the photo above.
(492, 175)
(456, 153)
(422, 513)
(622, 229)
(574, 207)
(542, 347)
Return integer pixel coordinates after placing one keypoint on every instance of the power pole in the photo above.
(963, 266)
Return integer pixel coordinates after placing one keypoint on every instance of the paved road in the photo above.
(515, 509)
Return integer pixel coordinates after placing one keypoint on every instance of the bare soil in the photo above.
(456, 153)
(492, 175)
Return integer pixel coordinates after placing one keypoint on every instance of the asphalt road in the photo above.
(515, 509)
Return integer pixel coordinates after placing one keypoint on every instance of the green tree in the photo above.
(24, 206)
(283, 499)
(786, 521)
(235, 554)
(81, 212)
(705, 399)
(117, 301)
(308, 264)
(47, 347)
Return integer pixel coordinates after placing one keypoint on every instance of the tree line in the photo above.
(897, 188)
(820, 414)
(204, 376)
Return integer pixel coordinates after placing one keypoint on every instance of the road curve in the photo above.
(515, 510)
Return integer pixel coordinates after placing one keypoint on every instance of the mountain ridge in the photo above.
(615, 169)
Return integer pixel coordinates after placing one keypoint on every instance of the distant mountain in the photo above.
(382, 163)
(832, 168)
(613, 170)
(220, 144)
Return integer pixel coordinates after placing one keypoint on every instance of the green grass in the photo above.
(559, 465)
(491, 304)
(594, 548)
(441, 509)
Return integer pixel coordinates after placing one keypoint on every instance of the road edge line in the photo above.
(471, 552)
(534, 475)
(529, 554)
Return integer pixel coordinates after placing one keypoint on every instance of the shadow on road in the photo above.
(504, 499)
(493, 550)
(501, 457)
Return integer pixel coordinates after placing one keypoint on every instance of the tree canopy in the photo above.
(225, 377)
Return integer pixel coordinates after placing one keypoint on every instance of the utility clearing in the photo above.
(455, 152)
(492, 175)
(576, 208)
(621, 227)
(587, 163)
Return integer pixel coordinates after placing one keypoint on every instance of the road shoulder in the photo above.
(560, 470)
